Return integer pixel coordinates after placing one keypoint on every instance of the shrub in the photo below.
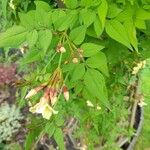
(86, 52)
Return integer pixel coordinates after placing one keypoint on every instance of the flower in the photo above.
(139, 66)
(43, 108)
(89, 103)
(11, 5)
(98, 107)
(52, 89)
(141, 104)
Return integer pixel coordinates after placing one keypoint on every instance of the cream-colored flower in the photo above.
(141, 104)
(11, 5)
(54, 100)
(43, 108)
(98, 107)
(139, 66)
(89, 103)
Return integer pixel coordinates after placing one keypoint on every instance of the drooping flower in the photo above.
(52, 89)
(43, 108)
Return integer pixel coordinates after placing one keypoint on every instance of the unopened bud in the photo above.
(34, 91)
(66, 93)
(66, 62)
(31, 93)
(80, 50)
(75, 60)
(62, 49)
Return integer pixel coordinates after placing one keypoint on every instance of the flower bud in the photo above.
(66, 93)
(62, 49)
(75, 60)
(31, 93)
(34, 91)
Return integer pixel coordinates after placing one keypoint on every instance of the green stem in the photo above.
(49, 62)
(60, 59)
(61, 89)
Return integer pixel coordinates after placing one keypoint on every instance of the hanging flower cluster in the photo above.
(52, 89)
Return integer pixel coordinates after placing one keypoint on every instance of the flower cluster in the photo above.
(52, 89)
(139, 66)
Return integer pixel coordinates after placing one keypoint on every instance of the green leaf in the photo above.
(90, 49)
(142, 14)
(4, 8)
(113, 11)
(118, 32)
(45, 37)
(59, 120)
(126, 14)
(58, 136)
(13, 37)
(98, 61)
(71, 3)
(66, 21)
(30, 138)
(32, 38)
(31, 56)
(43, 19)
(131, 31)
(78, 87)
(57, 15)
(88, 16)
(42, 5)
(49, 129)
(102, 12)
(28, 20)
(77, 35)
(86, 3)
(139, 23)
(98, 27)
(78, 72)
(95, 84)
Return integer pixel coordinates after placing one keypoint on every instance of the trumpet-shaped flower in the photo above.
(43, 108)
